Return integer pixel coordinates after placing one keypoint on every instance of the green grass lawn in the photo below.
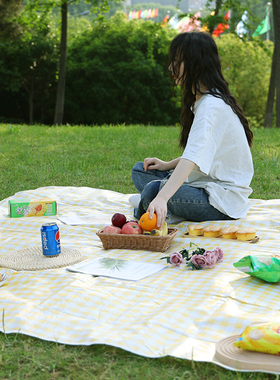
(102, 157)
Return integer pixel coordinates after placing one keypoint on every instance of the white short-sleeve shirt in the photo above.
(217, 144)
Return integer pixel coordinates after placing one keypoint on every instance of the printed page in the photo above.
(117, 268)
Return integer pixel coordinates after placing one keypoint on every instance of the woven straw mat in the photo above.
(33, 259)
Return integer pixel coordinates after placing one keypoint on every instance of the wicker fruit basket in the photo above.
(137, 242)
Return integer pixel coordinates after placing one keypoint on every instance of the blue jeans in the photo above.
(188, 202)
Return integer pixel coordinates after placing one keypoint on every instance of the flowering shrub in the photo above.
(196, 258)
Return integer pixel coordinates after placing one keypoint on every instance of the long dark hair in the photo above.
(202, 66)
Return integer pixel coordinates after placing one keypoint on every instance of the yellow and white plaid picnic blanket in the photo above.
(177, 312)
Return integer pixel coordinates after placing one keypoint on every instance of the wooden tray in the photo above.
(239, 359)
(137, 242)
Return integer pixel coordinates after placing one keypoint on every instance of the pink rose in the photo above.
(176, 259)
(199, 261)
(219, 254)
(210, 258)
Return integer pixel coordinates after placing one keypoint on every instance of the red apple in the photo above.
(132, 228)
(118, 219)
(112, 230)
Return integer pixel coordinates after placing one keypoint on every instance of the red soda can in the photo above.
(50, 239)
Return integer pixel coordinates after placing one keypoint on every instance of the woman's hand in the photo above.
(154, 163)
(159, 206)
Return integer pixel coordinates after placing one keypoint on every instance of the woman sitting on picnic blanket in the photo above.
(211, 180)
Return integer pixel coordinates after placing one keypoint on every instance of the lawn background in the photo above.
(102, 157)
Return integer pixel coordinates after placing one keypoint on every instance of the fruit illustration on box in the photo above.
(37, 210)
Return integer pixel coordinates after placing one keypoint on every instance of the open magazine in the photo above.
(117, 268)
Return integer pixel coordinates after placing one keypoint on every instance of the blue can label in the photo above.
(50, 239)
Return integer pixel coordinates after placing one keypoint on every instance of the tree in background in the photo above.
(118, 74)
(218, 9)
(60, 94)
(246, 67)
(26, 57)
(237, 7)
(274, 85)
(102, 6)
(62, 5)
(8, 11)
(116, 69)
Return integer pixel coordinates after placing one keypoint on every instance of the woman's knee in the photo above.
(138, 167)
(150, 191)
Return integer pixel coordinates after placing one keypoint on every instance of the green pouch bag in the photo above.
(266, 268)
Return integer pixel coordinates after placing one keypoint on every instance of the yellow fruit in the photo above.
(146, 232)
(164, 229)
(162, 232)
(155, 232)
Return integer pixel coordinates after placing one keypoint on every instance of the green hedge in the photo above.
(246, 67)
(117, 73)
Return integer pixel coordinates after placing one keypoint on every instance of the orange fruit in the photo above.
(146, 223)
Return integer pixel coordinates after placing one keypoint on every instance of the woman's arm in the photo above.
(159, 203)
(156, 163)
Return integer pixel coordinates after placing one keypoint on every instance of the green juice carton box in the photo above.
(36, 207)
